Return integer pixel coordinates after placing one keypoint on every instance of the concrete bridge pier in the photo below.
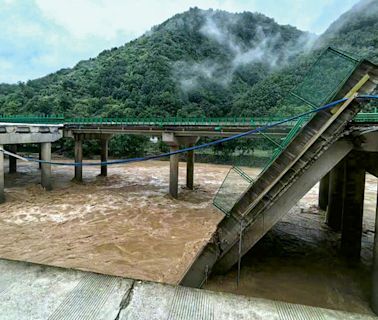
(46, 167)
(78, 157)
(190, 169)
(12, 160)
(353, 205)
(336, 195)
(189, 142)
(2, 195)
(323, 192)
(174, 143)
(173, 172)
(39, 156)
(104, 143)
(104, 156)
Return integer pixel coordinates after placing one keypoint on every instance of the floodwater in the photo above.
(299, 261)
(127, 225)
(124, 225)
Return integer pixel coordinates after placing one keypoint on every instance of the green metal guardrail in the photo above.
(367, 117)
(298, 126)
(175, 121)
(318, 87)
(33, 119)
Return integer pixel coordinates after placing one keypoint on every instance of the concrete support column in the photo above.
(104, 156)
(353, 206)
(12, 160)
(337, 179)
(374, 294)
(78, 158)
(174, 142)
(173, 172)
(39, 157)
(46, 167)
(2, 195)
(323, 192)
(190, 169)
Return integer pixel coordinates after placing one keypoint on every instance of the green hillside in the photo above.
(356, 31)
(196, 63)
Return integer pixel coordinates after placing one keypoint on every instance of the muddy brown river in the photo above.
(127, 225)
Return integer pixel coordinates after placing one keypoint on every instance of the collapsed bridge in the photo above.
(329, 146)
(338, 143)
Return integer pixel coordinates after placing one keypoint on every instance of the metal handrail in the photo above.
(171, 121)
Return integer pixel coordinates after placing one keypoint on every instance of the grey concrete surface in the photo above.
(34, 292)
(173, 172)
(17, 133)
(78, 158)
(30, 291)
(46, 167)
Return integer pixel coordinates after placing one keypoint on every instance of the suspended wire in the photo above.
(197, 147)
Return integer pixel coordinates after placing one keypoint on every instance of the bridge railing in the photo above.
(234, 184)
(366, 117)
(176, 121)
(161, 122)
(33, 119)
(319, 86)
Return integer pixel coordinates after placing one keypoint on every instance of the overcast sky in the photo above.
(38, 37)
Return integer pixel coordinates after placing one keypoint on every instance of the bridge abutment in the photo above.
(46, 167)
(12, 160)
(2, 195)
(78, 158)
(323, 192)
(335, 196)
(353, 205)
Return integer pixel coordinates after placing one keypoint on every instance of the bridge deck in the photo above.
(207, 127)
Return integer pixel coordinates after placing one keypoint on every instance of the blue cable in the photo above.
(202, 146)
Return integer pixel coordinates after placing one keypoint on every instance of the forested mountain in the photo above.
(198, 63)
(356, 31)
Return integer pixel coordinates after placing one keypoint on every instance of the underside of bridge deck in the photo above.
(12, 134)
